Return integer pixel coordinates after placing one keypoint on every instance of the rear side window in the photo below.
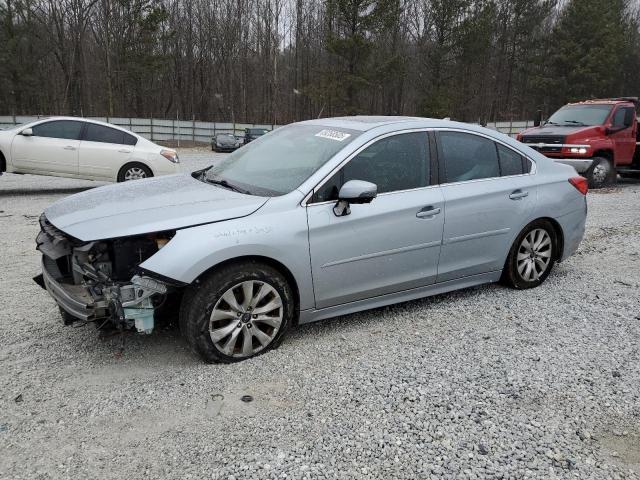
(511, 162)
(67, 129)
(399, 162)
(468, 157)
(102, 134)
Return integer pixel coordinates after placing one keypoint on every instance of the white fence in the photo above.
(159, 130)
(194, 131)
(511, 128)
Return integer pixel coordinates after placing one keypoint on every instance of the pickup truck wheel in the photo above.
(237, 312)
(601, 173)
(531, 257)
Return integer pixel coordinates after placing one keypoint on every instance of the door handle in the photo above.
(518, 195)
(69, 147)
(428, 212)
(124, 150)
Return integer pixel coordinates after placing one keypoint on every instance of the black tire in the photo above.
(122, 174)
(199, 301)
(601, 173)
(511, 276)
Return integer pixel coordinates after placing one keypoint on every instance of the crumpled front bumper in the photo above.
(73, 299)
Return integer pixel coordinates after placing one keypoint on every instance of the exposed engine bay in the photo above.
(101, 280)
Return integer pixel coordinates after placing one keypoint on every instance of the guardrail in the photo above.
(195, 131)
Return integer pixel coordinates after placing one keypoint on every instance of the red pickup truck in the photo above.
(599, 138)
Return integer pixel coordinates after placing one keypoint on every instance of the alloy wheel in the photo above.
(246, 318)
(534, 255)
(134, 173)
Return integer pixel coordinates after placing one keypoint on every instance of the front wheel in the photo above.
(134, 171)
(532, 256)
(237, 312)
(601, 173)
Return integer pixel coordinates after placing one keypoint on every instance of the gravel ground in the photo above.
(483, 383)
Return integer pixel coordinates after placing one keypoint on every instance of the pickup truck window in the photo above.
(623, 117)
(580, 115)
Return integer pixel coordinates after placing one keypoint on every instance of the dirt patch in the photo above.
(623, 448)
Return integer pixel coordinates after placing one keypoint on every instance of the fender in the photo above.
(194, 251)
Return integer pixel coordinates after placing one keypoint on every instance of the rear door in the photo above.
(53, 148)
(386, 246)
(104, 150)
(489, 195)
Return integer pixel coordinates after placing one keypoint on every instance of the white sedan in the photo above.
(82, 148)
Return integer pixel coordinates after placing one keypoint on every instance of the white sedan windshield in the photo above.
(280, 161)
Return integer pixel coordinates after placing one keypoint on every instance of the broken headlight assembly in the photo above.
(101, 280)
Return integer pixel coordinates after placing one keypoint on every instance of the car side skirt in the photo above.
(311, 315)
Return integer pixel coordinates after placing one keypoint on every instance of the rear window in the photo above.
(468, 157)
(102, 134)
(511, 162)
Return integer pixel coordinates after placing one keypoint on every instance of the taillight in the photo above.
(581, 184)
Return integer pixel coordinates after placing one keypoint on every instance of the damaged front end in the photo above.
(101, 280)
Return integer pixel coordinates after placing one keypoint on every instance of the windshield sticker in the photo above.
(333, 135)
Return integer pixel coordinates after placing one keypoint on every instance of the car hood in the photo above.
(149, 205)
(555, 130)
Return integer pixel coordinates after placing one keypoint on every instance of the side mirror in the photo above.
(612, 130)
(356, 192)
(27, 132)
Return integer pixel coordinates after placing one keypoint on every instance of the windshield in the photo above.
(278, 162)
(227, 136)
(579, 115)
(257, 131)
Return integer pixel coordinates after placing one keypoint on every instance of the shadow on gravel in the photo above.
(42, 191)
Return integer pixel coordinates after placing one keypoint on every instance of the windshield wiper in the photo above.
(224, 183)
(575, 122)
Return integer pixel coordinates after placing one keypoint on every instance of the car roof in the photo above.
(364, 122)
(89, 120)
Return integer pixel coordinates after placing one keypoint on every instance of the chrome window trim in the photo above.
(320, 184)
(305, 201)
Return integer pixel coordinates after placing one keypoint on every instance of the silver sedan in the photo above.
(313, 220)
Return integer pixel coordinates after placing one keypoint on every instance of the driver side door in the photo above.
(625, 138)
(53, 148)
(389, 245)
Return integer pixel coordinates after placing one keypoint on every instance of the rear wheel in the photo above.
(601, 173)
(532, 256)
(134, 171)
(237, 312)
